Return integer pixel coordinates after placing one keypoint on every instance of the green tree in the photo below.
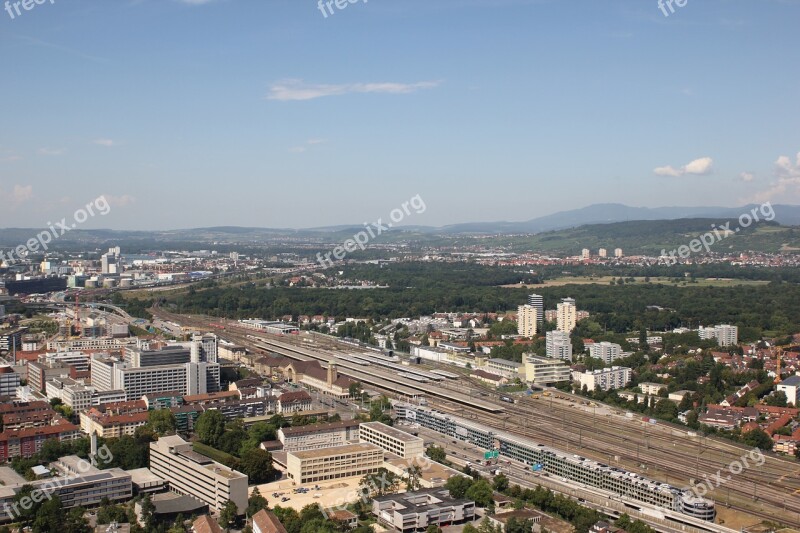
(757, 438)
(256, 464)
(414, 473)
(436, 453)
(256, 502)
(500, 483)
(210, 427)
(481, 493)
(148, 512)
(228, 516)
(162, 421)
(458, 486)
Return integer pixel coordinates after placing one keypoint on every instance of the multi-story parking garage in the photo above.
(557, 463)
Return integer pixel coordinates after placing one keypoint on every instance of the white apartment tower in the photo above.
(566, 315)
(559, 345)
(602, 252)
(526, 320)
(537, 301)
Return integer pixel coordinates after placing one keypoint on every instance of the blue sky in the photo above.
(267, 113)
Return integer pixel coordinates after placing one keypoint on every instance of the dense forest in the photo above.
(416, 289)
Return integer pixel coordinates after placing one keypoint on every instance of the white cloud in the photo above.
(17, 196)
(298, 90)
(747, 176)
(698, 167)
(52, 151)
(305, 148)
(119, 201)
(787, 182)
(104, 142)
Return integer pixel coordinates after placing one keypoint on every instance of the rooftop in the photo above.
(361, 447)
(392, 432)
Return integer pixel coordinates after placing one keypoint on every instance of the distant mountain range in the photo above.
(786, 215)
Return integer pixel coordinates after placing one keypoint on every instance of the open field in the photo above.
(606, 280)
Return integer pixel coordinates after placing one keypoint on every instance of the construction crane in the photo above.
(778, 367)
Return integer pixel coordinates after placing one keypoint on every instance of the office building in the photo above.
(543, 371)
(314, 436)
(9, 381)
(558, 345)
(527, 321)
(78, 484)
(607, 352)
(325, 464)
(417, 511)
(110, 262)
(504, 367)
(604, 378)
(566, 315)
(192, 474)
(537, 301)
(11, 341)
(189, 378)
(402, 444)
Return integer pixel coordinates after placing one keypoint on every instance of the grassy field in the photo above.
(212, 453)
(606, 280)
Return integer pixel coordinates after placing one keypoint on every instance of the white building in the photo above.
(617, 252)
(402, 444)
(789, 387)
(193, 474)
(543, 371)
(188, 378)
(537, 301)
(9, 381)
(504, 367)
(566, 315)
(602, 252)
(725, 334)
(604, 378)
(586, 253)
(559, 345)
(607, 352)
(527, 320)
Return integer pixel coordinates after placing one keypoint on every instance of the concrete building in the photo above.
(416, 511)
(604, 378)
(79, 484)
(402, 444)
(325, 464)
(602, 252)
(527, 321)
(618, 252)
(112, 425)
(559, 345)
(314, 436)
(725, 334)
(543, 371)
(192, 474)
(537, 301)
(586, 253)
(504, 367)
(651, 388)
(566, 315)
(789, 386)
(608, 352)
(190, 378)
(9, 381)
(294, 402)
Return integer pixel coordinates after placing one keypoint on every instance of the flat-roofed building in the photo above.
(314, 436)
(79, 484)
(27, 442)
(9, 381)
(605, 379)
(113, 426)
(192, 474)
(324, 464)
(504, 367)
(400, 443)
(543, 371)
(416, 511)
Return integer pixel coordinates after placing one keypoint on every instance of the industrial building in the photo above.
(392, 440)
(192, 474)
(325, 464)
(554, 462)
